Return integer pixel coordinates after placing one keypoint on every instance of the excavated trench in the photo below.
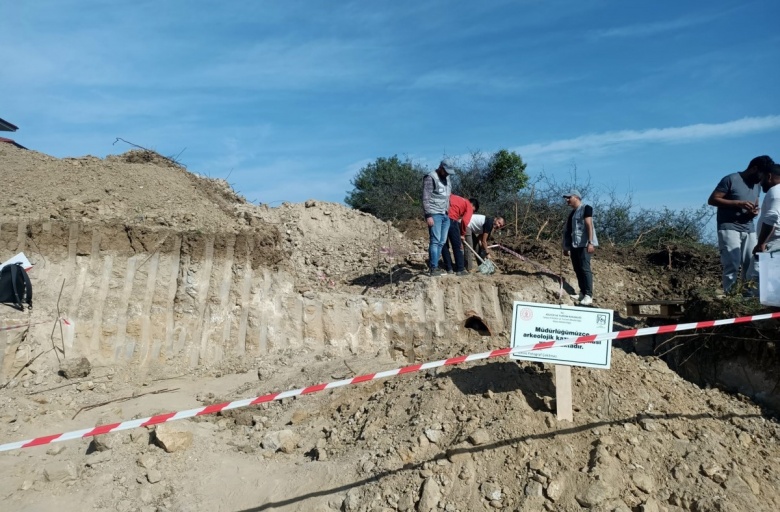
(155, 296)
(143, 296)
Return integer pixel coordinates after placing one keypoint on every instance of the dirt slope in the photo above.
(479, 436)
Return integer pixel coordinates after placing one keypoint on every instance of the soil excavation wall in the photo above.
(140, 295)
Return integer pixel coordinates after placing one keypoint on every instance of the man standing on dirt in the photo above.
(460, 214)
(769, 222)
(580, 242)
(436, 204)
(736, 198)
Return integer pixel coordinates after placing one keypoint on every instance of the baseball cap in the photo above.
(448, 166)
(572, 192)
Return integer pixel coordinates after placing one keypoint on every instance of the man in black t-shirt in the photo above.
(580, 242)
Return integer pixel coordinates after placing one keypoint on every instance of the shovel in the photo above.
(485, 266)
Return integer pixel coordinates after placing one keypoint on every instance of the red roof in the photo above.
(11, 141)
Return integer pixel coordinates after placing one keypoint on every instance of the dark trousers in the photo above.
(453, 240)
(580, 260)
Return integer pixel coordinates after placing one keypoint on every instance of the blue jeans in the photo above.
(438, 234)
(453, 241)
(736, 256)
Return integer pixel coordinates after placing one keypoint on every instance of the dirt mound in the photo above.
(136, 188)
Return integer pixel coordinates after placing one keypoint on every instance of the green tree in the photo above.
(493, 178)
(388, 189)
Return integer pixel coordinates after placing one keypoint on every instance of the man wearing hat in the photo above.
(580, 242)
(436, 204)
(736, 198)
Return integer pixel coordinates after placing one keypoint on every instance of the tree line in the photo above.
(390, 189)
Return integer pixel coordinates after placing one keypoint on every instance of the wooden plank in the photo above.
(656, 302)
(563, 393)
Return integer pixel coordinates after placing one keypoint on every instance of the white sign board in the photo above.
(19, 258)
(533, 323)
(769, 278)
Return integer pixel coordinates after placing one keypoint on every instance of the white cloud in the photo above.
(600, 142)
(659, 27)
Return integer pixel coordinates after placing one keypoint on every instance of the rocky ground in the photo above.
(477, 436)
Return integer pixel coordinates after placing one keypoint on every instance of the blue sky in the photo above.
(287, 100)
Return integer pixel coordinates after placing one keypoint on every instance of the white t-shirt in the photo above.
(476, 225)
(770, 213)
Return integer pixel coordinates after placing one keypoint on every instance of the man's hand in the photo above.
(590, 248)
(429, 220)
(565, 252)
(748, 206)
(759, 248)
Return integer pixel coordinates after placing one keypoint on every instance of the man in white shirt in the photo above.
(477, 234)
(769, 222)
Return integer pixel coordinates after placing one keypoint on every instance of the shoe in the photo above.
(436, 272)
(586, 301)
(451, 272)
(576, 297)
(462, 273)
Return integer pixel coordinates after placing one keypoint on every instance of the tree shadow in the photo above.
(416, 466)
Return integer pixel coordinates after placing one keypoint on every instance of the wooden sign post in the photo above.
(563, 395)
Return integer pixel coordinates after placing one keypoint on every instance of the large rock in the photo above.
(75, 368)
(60, 471)
(282, 440)
(173, 438)
(430, 495)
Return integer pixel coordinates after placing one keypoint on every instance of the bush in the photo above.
(389, 189)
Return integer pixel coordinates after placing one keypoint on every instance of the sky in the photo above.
(289, 100)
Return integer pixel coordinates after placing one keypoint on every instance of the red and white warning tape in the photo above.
(211, 409)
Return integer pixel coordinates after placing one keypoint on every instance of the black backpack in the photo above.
(15, 286)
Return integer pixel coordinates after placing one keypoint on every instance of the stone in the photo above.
(283, 441)
(353, 501)
(644, 482)
(534, 488)
(95, 458)
(60, 471)
(479, 436)
(153, 476)
(595, 493)
(299, 416)
(434, 436)
(491, 491)
(103, 442)
(172, 438)
(146, 461)
(55, 450)
(651, 505)
(555, 489)
(75, 368)
(430, 495)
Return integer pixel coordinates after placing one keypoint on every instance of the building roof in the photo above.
(11, 141)
(5, 126)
